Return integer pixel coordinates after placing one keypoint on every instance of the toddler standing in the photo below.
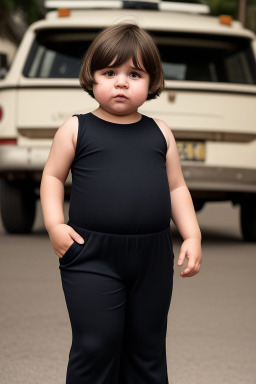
(115, 252)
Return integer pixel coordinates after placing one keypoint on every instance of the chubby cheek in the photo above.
(140, 95)
(100, 94)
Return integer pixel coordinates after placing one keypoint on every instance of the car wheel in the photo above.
(18, 205)
(248, 219)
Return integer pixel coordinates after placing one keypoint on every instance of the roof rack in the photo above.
(129, 4)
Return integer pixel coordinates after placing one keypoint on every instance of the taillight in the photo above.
(7, 140)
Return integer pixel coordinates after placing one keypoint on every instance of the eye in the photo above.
(106, 73)
(135, 73)
(110, 73)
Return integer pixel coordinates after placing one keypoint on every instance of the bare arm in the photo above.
(182, 208)
(55, 173)
(52, 199)
(183, 213)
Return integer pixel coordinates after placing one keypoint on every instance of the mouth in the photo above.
(120, 96)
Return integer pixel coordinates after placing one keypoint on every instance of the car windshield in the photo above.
(185, 57)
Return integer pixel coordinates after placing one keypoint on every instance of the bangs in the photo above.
(122, 50)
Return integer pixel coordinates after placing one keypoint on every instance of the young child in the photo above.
(116, 252)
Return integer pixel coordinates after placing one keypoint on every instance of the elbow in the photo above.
(182, 185)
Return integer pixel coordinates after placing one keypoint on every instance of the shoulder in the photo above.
(166, 130)
(69, 124)
(69, 129)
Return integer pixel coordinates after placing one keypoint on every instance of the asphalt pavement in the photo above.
(211, 321)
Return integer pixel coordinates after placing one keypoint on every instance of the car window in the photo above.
(57, 54)
(185, 57)
(207, 58)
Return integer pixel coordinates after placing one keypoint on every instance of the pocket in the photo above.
(67, 255)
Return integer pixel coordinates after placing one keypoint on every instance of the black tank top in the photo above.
(119, 180)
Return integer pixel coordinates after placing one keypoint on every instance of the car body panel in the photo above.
(218, 116)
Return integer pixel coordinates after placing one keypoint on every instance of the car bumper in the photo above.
(217, 178)
(15, 161)
(13, 158)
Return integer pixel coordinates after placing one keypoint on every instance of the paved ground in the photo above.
(211, 327)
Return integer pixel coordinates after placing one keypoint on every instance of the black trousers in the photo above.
(118, 292)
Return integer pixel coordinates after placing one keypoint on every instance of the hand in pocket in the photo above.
(62, 237)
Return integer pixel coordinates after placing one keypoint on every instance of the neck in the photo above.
(116, 118)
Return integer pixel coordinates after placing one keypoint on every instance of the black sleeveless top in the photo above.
(119, 180)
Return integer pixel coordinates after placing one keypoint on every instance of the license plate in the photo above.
(191, 150)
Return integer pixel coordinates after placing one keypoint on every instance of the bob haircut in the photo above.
(124, 40)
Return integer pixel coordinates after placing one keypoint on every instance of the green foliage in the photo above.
(30, 8)
(229, 7)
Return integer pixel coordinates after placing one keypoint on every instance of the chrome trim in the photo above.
(236, 137)
(211, 178)
(179, 134)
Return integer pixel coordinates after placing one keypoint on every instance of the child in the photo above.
(116, 253)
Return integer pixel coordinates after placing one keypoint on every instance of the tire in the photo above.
(18, 205)
(248, 219)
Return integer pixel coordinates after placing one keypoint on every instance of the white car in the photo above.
(209, 100)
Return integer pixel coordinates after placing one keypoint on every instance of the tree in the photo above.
(29, 11)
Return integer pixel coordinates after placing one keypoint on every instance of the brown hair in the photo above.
(124, 40)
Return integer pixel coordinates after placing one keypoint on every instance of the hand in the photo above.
(62, 237)
(191, 248)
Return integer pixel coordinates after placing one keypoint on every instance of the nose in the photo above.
(121, 81)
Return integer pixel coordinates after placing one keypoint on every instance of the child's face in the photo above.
(131, 83)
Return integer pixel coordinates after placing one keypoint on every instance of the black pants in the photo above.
(118, 292)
